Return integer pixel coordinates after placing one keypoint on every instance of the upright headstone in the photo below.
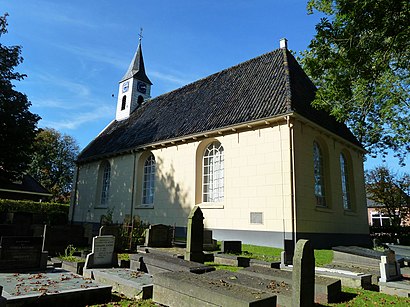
(389, 267)
(102, 254)
(22, 254)
(231, 247)
(158, 235)
(112, 230)
(195, 236)
(303, 275)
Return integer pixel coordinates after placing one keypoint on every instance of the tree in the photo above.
(359, 59)
(53, 162)
(17, 123)
(392, 191)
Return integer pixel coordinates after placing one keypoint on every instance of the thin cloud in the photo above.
(170, 78)
(75, 120)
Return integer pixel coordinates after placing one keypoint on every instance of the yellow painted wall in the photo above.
(257, 179)
(334, 219)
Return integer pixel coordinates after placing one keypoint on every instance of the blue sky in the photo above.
(75, 52)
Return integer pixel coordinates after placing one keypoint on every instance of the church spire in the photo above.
(137, 69)
(134, 88)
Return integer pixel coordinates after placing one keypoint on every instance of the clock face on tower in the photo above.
(141, 87)
(125, 87)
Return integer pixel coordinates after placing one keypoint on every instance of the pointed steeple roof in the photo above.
(137, 68)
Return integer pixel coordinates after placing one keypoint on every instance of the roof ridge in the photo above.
(287, 79)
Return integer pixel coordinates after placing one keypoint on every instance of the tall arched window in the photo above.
(123, 103)
(105, 185)
(344, 171)
(148, 181)
(318, 166)
(213, 173)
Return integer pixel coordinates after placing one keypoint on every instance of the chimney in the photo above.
(283, 43)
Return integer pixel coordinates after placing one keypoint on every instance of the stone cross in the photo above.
(389, 267)
(195, 236)
(303, 275)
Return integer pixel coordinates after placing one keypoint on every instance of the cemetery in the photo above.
(40, 268)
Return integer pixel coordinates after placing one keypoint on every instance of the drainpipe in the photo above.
(292, 178)
(74, 195)
(132, 196)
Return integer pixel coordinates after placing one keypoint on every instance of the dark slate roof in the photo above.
(266, 86)
(137, 67)
(26, 184)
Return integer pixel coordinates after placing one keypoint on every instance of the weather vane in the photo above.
(140, 34)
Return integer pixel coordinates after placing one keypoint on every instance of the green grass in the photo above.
(71, 258)
(271, 254)
(218, 266)
(365, 298)
(323, 256)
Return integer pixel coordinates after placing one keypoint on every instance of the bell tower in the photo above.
(134, 87)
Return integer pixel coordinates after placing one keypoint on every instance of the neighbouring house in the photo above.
(25, 188)
(377, 217)
(243, 144)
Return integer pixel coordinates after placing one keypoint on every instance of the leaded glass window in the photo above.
(105, 187)
(318, 166)
(149, 181)
(213, 173)
(344, 171)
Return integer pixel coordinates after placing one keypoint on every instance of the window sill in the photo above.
(211, 205)
(324, 209)
(349, 212)
(150, 206)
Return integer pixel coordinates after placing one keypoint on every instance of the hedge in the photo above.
(52, 213)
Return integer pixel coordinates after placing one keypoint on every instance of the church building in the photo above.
(243, 144)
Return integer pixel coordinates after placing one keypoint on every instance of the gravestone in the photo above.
(102, 254)
(231, 247)
(112, 230)
(22, 254)
(158, 235)
(389, 268)
(195, 236)
(303, 275)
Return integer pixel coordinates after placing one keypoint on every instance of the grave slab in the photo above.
(281, 289)
(360, 256)
(185, 289)
(327, 290)
(132, 284)
(56, 288)
(347, 278)
(158, 262)
(399, 288)
(231, 260)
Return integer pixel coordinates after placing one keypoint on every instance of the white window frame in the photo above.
(213, 173)
(148, 181)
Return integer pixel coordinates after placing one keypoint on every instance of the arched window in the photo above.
(140, 100)
(124, 100)
(213, 173)
(148, 186)
(344, 171)
(318, 166)
(105, 184)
